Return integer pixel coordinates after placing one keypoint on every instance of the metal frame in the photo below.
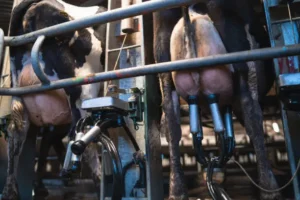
(121, 13)
(259, 54)
(118, 14)
(289, 118)
(101, 18)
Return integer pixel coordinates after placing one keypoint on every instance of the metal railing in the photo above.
(117, 14)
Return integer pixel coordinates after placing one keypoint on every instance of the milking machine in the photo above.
(223, 127)
(103, 114)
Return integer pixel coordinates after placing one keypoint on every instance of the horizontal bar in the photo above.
(39, 72)
(285, 20)
(196, 63)
(124, 48)
(101, 18)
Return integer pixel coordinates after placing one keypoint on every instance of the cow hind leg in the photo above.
(17, 133)
(177, 189)
(50, 138)
(253, 120)
(39, 189)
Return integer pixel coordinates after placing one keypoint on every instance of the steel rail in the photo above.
(101, 18)
(196, 63)
(39, 72)
(1, 44)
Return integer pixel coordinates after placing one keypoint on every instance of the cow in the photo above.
(75, 53)
(236, 28)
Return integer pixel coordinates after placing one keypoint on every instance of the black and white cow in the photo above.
(72, 54)
(220, 26)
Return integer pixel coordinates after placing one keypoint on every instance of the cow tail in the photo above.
(189, 40)
(17, 122)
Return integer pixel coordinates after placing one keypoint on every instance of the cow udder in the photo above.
(47, 108)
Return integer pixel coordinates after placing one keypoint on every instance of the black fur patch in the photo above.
(81, 47)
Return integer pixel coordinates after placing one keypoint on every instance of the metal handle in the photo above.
(36, 63)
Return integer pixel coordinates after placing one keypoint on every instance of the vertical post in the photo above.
(290, 35)
(138, 43)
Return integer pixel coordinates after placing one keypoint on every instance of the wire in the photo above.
(118, 182)
(263, 189)
(116, 63)
(215, 190)
(84, 123)
(133, 140)
(78, 125)
(209, 181)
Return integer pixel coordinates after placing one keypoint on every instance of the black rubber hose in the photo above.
(117, 170)
(223, 151)
(197, 141)
(142, 179)
(230, 147)
(209, 181)
(78, 125)
(215, 190)
(83, 123)
(132, 139)
(221, 192)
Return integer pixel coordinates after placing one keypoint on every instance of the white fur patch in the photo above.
(251, 65)
(252, 75)
(78, 12)
(250, 38)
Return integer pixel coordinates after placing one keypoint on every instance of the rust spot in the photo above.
(89, 78)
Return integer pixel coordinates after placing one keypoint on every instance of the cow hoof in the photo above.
(40, 190)
(182, 197)
(270, 196)
(10, 190)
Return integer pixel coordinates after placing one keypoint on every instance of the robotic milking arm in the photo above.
(104, 113)
(109, 112)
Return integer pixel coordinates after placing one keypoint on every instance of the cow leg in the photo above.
(253, 119)
(177, 188)
(91, 157)
(39, 189)
(59, 133)
(50, 138)
(17, 133)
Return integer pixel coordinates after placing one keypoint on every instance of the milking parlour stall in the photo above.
(149, 100)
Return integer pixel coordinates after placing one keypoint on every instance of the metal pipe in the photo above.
(36, 61)
(195, 63)
(1, 44)
(127, 25)
(101, 18)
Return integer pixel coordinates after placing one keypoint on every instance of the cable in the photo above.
(118, 182)
(222, 157)
(209, 181)
(221, 192)
(215, 190)
(83, 123)
(78, 125)
(142, 180)
(133, 140)
(263, 189)
(116, 63)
